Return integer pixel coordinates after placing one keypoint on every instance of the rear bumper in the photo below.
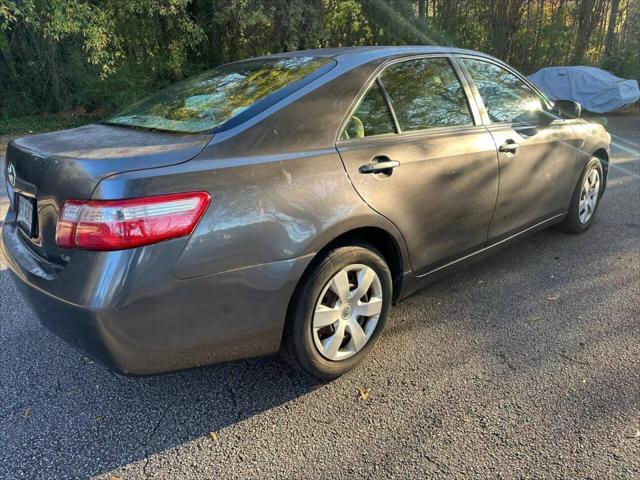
(128, 311)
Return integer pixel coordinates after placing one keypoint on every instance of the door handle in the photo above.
(508, 147)
(384, 166)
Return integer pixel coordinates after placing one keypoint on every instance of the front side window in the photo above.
(426, 93)
(372, 117)
(207, 100)
(506, 98)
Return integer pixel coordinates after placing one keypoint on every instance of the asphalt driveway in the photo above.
(526, 365)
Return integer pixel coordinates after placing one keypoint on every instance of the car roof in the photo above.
(345, 60)
(378, 51)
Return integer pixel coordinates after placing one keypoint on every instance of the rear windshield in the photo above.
(205, 101)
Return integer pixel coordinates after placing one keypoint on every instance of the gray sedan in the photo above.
(284, 203)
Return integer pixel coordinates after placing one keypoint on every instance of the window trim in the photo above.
(476, 93)
(387, 101)
(360, 98)
(474, 111)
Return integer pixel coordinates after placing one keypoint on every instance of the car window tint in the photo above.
(506, 98)
(426, 93)
(372, 117)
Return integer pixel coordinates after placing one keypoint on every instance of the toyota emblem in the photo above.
(11, 174)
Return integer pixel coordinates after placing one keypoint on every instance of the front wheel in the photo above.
(584, 201)
(338, 311)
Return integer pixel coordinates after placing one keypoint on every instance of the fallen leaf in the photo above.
(533, 321)
(113, 477)
(27, 412)
(213, 436)
(363, 393)
(634, 435)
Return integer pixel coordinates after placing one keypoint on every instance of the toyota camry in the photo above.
(284, 203)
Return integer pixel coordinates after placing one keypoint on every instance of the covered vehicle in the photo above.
(597, 90)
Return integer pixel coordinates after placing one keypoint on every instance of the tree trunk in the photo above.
(422, 9)
(587, 20)
(505, 17)
(611, 29)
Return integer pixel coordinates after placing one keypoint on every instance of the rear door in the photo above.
(536, 151)
(417, 153)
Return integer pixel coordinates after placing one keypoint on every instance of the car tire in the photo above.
(585, 199)
(331, 324)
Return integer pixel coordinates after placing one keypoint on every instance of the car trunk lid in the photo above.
(58, 166)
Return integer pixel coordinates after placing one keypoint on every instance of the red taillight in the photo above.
(67, 222)
(120, 224)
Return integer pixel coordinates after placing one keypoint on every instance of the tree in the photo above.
(61, 55)
(611, 28)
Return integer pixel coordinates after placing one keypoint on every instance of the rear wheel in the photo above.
(584, 201)
(338, 311)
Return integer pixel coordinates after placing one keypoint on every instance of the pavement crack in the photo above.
(234, 401)
(442, 468)
(153, 432)
(239, 412)
(572, 359)
(506, 361)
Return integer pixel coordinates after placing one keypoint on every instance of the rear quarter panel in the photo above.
(591, 137)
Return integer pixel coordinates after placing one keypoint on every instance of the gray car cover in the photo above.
(597, 90)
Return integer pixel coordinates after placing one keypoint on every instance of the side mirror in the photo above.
(567, 108)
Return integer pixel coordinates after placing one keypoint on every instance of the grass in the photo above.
(12, 126)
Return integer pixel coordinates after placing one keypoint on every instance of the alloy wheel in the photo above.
(347, 312)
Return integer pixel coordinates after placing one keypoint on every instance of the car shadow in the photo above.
(59, 408)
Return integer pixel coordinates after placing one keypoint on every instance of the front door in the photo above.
(537, 153)
(426, 164)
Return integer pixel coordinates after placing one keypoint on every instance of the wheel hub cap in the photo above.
(589, 196)
(347, 312)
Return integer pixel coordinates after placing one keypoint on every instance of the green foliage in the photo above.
(346, 25)
(90, 56)
(44, 123)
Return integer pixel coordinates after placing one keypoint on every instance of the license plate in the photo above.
(25, 214)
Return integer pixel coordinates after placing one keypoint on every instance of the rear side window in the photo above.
(506, 98)
(372, 117)
(205, 101)
(426, 93)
